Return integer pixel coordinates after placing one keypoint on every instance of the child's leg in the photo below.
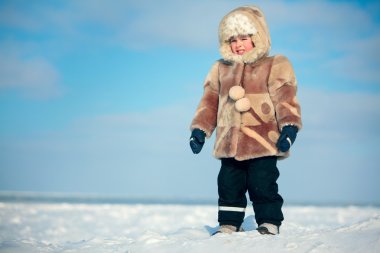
(263, 190)
(231, 189)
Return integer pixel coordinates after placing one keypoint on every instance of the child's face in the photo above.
(241, 44)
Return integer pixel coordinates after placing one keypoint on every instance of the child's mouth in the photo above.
(240, 52)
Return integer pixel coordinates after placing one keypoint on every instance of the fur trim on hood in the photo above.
(245, 20)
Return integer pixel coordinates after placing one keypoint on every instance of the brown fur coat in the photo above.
(269, 84)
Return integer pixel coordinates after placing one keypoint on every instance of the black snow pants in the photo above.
(258, 177)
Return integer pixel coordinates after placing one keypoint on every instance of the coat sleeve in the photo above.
(206, 114)
(282, 86)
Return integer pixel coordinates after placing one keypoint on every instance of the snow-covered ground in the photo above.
(31, 227)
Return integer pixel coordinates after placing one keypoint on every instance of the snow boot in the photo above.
(228, 229)
(268, 229)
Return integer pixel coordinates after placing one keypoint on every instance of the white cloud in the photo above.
(316, 15)
(360, 60)
(181, 23)
(34, 77)
(339, 39)
(330, 29)
(136, 24)
(172, 22)
(338, 117)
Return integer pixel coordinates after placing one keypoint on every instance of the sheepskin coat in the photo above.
(270, 86)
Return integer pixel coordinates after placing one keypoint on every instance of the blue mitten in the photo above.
(197, 140)
(287, 137)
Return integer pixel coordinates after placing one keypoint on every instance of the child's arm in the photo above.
(282, 86)
(205, 117)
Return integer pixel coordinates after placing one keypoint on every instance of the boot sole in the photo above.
(264, 231)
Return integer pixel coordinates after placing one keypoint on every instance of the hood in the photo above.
(243, 21)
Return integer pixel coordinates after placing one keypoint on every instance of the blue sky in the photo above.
(97, 96)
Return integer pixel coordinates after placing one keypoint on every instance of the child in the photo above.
(250, 98)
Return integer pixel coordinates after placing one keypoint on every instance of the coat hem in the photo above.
(279, 155)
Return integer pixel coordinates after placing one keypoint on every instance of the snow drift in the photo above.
(60, 227)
